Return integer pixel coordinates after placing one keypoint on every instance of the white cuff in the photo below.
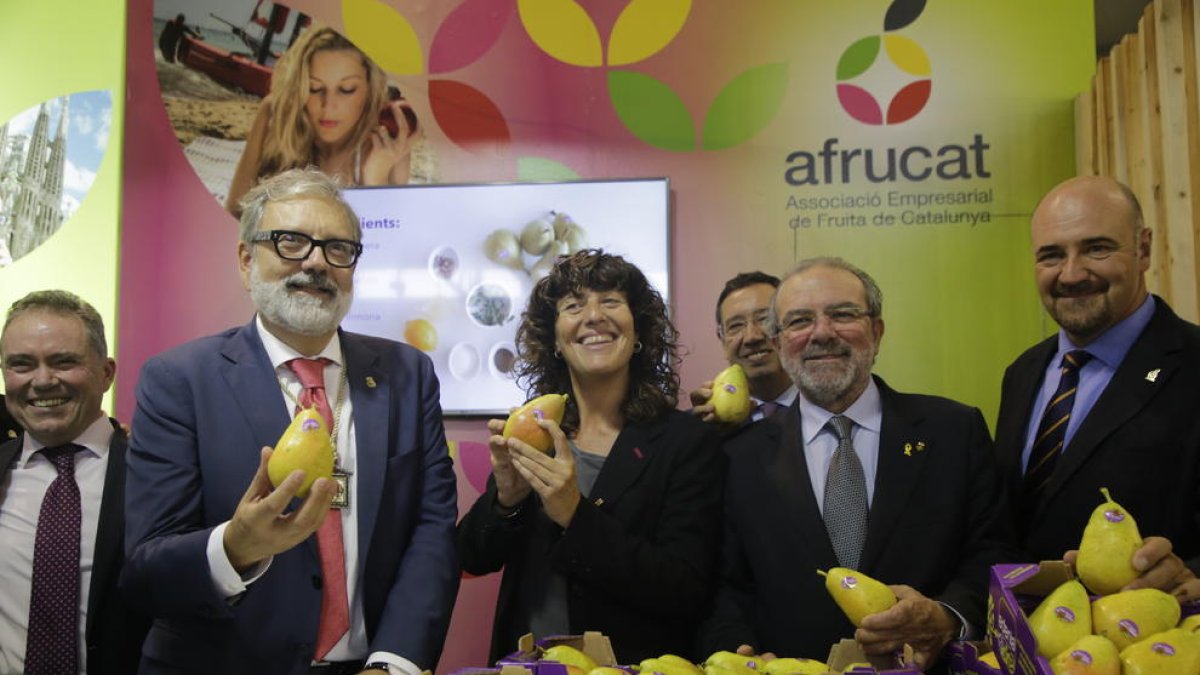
(228, 582)
(966, 630)
(397, 665)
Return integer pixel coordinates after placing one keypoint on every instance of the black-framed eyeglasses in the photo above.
(841, 316)
(291, 245)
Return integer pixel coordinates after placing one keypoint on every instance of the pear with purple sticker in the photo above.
(1132, 616)
(304, 445)
(1171, 652)
(731, 395)
(1062, 618)
(522, 423)
(1089, 655)
(857, 594)
(1105, 562)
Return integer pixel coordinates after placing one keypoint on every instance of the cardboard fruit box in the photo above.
(847, 652)
(529, 653)
(962, 658)
(1013, 593)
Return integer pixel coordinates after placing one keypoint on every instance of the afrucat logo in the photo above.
(856, 77)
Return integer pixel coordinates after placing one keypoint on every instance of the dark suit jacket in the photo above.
(204, 411)
(640, 555)
(936, 523)
(8, 426)
(1141, 440)
(114, 632)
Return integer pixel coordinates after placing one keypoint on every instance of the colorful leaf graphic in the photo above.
(858, 57)
(384, 34)
(901, 13)
(859, 104)
(542, 169)
(651, 111)
(466, 115)
(907, 55)
(745, 106)
(468, 33)
(562, 29)
(644, 27)
(908, 101)
(474, 459)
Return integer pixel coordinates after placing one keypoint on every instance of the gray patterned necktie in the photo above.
(845, 504)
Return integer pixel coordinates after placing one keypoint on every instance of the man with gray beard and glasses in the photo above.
(359, 575)
(901, 487)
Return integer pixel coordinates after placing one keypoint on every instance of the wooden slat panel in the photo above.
(1153, 207)
(1103, 117)
(1085, 134)
(1117, 96)
(1172, 57)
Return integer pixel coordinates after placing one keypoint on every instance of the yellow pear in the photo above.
(1191, 623)
(1171, 652)
(857, 594)
(568, 655)
(1105, 562)
(681, 662)
(1132, 616)
(791, 666)
(1089, 655)
(607, 670)
(989, 659)
(522, 424)
(1063, 617)
(668, 667)
(856, 664)
(731, 395)
(304, 445)
(737, 663)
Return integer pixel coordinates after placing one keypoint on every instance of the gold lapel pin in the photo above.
(908, 449)
(1153, 375)
(370, 382)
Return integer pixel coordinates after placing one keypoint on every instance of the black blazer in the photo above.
(640, 555)
(1141, 440)
(114, 633)
(936, 523)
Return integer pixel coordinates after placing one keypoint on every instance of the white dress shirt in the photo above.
(230, 584)
(820, 441)
(21, 496)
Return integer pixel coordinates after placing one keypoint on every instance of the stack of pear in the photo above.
(1171, 652)
(1132, 616)
(730, 663)
(669, 664)
(1089, 655)
(522, 423)
(1064, 617)
(792, 666)
(857, 594)
(1105, 562)
(304, 445)
(731, 395)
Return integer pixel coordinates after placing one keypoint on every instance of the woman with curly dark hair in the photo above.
(617, 529)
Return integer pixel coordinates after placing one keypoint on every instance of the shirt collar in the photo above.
(95, 438)
(866, 412)
(784, 400)
(280, 353)
(1113, 344)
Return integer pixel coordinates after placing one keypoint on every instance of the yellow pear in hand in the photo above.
(304, 445)
(1131, 616)
(731, 395)
(568, 655)
(1171, 652)
(791, 666)
(1089, 655)
(522, 424)
(1062, 618)
(1105, 562)
(857, 594)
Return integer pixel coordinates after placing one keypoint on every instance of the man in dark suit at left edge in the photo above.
(62, 484)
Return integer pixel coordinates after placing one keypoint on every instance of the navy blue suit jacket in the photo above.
(203, 412)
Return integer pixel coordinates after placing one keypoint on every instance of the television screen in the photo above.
(449, 268)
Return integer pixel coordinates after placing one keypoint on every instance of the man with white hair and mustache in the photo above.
(1110, 401)
(361, 574)
(901, 487)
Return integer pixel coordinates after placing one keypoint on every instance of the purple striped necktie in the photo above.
(1052, 431)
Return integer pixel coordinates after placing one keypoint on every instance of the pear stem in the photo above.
(823, 573)
(1107, 497)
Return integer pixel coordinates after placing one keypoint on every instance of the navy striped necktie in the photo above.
(1052, 431)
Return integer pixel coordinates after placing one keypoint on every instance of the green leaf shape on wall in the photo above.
(562, 29)
(542, 169)
(384, 35)
(644, 28)
(746, 105)
(651, 111)
(857, 58)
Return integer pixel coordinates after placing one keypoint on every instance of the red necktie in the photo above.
(51, 643)
(335, 607)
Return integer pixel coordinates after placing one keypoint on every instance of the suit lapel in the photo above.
(255, 387)
(110, 532)
(902, 453)
(1023, 391)
(789, 479)
(1130, 390)
(370, 393)
(625, 462)
(9, 451)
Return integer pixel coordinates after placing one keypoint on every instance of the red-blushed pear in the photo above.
(1089, 655)
(522, 424)
(304, 445)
